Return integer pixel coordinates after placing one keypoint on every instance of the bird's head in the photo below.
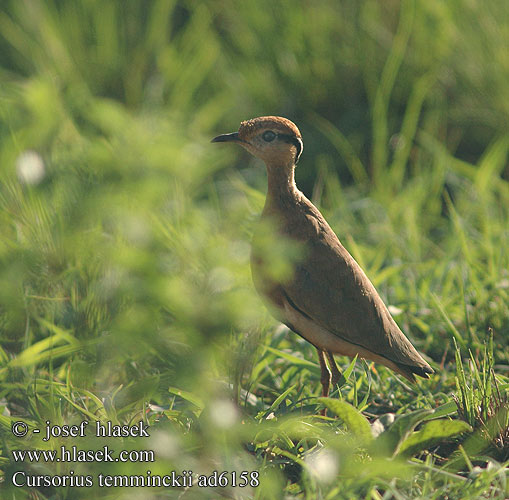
(273, 139)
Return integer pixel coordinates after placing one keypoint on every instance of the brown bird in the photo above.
(328, 300)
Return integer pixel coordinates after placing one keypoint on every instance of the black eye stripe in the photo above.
(269, 136)
(291, 139)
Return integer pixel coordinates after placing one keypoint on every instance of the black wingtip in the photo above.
(411, 371)
(423, 371)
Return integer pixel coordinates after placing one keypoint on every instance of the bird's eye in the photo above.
(268, 136)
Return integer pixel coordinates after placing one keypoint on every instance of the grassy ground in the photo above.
(125, 291)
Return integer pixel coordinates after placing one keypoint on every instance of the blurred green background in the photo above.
(125, 290)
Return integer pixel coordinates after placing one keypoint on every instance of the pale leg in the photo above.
(326, 375)
(336, 374)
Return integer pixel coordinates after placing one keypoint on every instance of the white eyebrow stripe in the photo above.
(299, 149)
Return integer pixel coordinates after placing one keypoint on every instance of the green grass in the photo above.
(125, 290)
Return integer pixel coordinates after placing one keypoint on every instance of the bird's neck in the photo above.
(281, 182)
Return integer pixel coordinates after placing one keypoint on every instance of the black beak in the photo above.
(233, 137)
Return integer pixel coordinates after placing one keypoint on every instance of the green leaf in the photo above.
(355, 422)
(349, 370)
(444, 410)
(455, 333)
(292, 358)
(343, 147)
(432, 433)
(42, 351)
(492, 163)
(188, 396)
(279, 400)
(391, 439)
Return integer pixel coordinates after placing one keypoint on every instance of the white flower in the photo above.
(223, 413)
(323, 464)
(30, 167)
(165, 444)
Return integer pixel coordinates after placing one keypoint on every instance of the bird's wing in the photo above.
(330, 288)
